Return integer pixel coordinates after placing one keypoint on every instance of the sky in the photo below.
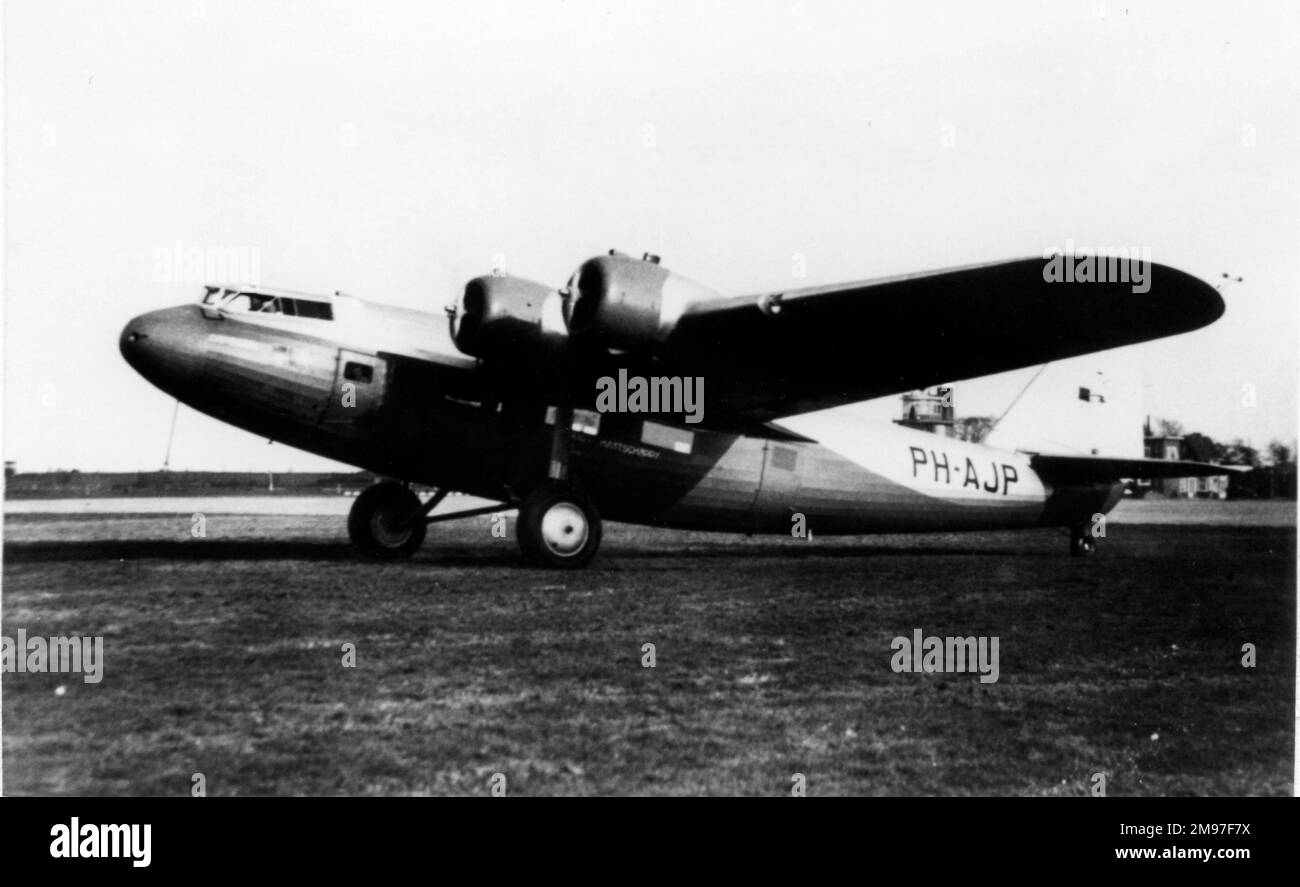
(394, 151)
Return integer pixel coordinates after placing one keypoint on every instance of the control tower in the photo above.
(929, 409)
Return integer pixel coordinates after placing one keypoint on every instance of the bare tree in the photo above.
(1169, 428)
(1202, 448)
(1241, 453)
(972, 428)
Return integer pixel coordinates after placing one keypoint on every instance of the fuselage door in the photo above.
(780, 489)
(359, 384)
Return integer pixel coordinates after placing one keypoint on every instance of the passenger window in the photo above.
(358, 372)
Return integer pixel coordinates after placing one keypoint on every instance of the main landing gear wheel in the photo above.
(1082, 542)
(559, 526)
(380, 523)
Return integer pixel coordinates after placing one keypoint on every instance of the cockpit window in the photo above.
(318, 310)
(251, 302)
(262, 303)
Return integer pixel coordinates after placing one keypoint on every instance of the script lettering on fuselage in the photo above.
(991, 477)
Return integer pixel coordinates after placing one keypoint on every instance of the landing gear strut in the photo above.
(388, 521)
(1082, 542)
(559, 525)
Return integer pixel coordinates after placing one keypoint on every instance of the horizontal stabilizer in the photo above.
(1103, 469)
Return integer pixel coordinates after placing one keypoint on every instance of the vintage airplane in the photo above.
(508, 397)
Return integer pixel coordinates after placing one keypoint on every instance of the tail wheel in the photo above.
(559, 526)
(380, 524)
(1082, 542)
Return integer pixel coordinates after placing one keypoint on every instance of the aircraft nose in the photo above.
(166, 347)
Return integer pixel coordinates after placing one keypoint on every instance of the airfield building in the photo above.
(929, 410)
(1169, 446)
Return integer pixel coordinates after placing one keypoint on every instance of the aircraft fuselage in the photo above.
(384, 389)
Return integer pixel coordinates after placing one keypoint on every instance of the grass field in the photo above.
(223, 656)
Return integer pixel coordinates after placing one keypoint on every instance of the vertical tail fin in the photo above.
(1090, 405)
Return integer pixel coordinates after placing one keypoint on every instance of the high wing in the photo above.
(1103, 469)
(788, 352)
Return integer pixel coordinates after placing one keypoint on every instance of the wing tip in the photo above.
(1198, 301)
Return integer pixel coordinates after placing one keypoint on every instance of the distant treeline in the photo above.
(1272, 474)
(1264, 482)
(98, 484)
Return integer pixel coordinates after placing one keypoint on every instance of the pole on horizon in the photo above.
(171, 437)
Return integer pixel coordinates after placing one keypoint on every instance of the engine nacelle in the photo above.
(627, 304)
(508, 318)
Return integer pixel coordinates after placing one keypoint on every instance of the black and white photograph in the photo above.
(792, 398)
